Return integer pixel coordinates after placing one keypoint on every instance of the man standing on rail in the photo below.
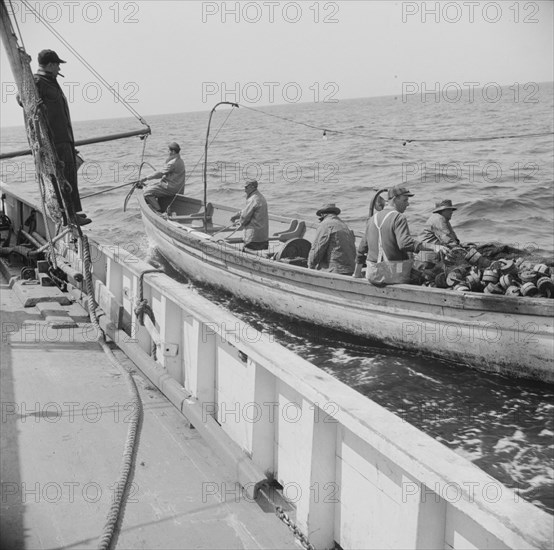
(57, 112)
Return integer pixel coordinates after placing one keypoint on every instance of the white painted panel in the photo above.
(235, 392)
(293, 449)
(199, 356)
(462, 532)
(264, 426)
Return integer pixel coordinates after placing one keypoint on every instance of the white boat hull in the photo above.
(512, 336)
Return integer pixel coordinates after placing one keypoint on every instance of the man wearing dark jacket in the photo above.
(334, 248)
(57, 113)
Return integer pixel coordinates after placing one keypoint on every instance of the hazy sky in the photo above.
(178, 56)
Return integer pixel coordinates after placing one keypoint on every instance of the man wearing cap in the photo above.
(253, 218)
(387, 244)
(172, 180)
(59, 120)
(438, 228)
(334, 248)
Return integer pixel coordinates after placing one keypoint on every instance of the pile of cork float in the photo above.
(467, 270)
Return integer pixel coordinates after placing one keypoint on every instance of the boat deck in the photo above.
(65, 412)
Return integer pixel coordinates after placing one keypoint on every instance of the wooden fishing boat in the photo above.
(513, 336)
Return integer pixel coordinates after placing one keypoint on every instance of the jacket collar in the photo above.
(42, 72)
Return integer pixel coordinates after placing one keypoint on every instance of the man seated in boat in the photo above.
(387, 245)
(438, 230)
(253, 218)
(334, 247)
(172, 180)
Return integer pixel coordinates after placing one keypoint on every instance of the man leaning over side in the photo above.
(438, 230)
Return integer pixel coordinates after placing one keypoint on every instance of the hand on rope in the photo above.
(139, 184)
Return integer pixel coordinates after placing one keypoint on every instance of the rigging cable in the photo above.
(327, 130)
(190, 173)
(85, 63)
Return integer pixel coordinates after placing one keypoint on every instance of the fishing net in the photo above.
(492, 268)
(496, 251)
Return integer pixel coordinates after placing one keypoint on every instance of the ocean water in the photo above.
(504, 190)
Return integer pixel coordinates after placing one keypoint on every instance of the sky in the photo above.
(186, 55)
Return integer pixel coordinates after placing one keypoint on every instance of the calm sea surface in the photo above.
(503, 189)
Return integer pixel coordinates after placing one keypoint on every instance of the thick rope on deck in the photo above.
(115, 512)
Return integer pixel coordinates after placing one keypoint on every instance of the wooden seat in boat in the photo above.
(197, 215)
(296, 230)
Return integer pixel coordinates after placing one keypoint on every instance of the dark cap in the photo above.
(328, 209)
(253, 183)
(48, 56)
(174, 146)
(399, 190)
(446, 204)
